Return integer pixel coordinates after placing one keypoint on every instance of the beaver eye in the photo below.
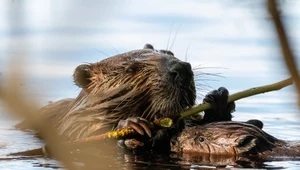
(200, 139)
(132, 68)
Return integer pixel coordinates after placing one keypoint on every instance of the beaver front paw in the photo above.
(221, 110)
(140, 125)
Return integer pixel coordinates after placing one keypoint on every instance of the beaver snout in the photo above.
(181, 71)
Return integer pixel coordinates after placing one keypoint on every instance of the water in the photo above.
(48, 39)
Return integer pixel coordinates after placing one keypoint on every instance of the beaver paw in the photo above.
(130, 144)
(140, 125)
(221, 109)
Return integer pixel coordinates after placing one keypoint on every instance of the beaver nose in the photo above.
(181, 71)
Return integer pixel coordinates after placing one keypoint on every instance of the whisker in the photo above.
(199, 73)
(169, 36)
(115, 49)
(204, 79)
(174, 37)
(202, 91)
(101, 52)
(202, 74)
(203, 86)
(186, 53)
(202, 67)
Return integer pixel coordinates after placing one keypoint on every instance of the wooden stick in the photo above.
(239, 95)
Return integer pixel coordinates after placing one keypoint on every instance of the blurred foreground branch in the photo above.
(285, 47)
(13, 99)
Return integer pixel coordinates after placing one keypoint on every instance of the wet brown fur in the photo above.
(235, 139)
(139, 83)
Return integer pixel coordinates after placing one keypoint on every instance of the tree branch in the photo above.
(239, 95)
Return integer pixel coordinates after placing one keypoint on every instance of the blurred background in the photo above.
(47, 39)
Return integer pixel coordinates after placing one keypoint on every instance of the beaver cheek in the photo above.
(189, 147)
(221, 149)
(195, 145)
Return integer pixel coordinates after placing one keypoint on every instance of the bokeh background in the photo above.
(46, 39)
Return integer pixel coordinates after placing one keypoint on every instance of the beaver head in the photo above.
(223, 138)
(143, 83)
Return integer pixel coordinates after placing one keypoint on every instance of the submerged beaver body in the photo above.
(228, 138)
(144, 83)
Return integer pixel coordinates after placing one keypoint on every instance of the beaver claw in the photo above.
(140, 125)
(221, 110)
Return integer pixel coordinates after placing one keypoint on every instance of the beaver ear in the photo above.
(148, 46)
(246, 143)
(82, 75)
(256, 123)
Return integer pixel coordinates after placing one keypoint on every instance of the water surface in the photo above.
(48, 39)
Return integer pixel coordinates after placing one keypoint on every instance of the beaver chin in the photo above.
(172, 102)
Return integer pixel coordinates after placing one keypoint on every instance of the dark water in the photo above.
(48, 39)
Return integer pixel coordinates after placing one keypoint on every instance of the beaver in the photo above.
(234, 139)
(144, 83)
(130, 90)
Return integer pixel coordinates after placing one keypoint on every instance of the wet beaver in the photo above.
(129, 90)
(145, 83)
(229, 138)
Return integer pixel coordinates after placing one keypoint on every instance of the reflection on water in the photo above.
(233, 38)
